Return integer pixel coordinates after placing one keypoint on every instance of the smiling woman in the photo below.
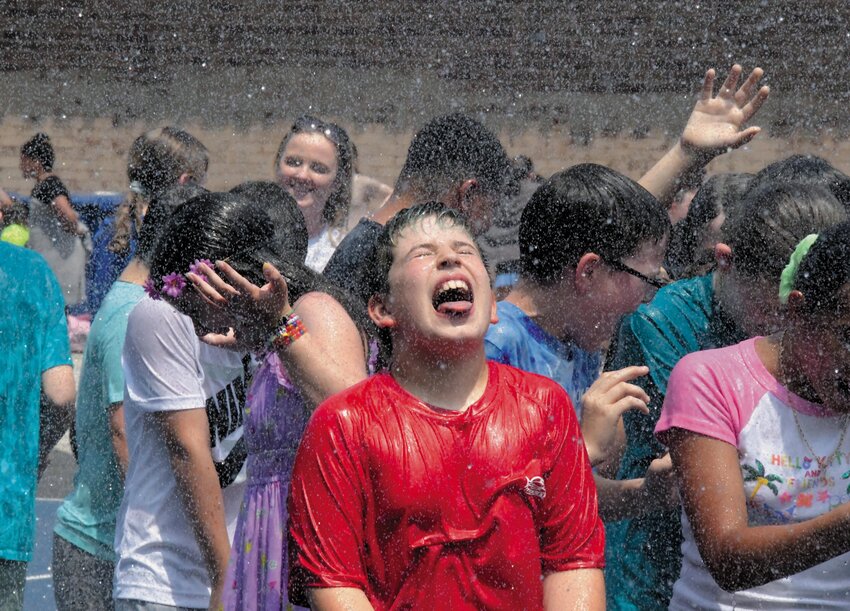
(314, 163)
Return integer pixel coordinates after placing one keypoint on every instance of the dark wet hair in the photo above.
(284, 212)
(38, 148)
(722, 193)
(806, 169)
(156, 161)
(586, 208)
(771, 222)
(227, 226)
(449, 150)
(825, 270)
(335, 212)
(160, 210)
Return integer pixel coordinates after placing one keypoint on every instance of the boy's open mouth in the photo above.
(453, 297)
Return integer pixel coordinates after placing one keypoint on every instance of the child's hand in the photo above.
(603, 405)
(659, 484)
(716, 123)
(259, 309)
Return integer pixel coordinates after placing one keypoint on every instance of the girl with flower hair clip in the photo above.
(310, 338)
(758, 436)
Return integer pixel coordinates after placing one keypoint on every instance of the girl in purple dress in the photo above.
(310, 339)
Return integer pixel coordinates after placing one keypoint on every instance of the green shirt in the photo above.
(87, 517)
(643, 556)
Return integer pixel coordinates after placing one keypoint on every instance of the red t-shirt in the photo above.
(421, 507)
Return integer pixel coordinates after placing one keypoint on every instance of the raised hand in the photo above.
(716, 124)
(257, 309)
(602, 406)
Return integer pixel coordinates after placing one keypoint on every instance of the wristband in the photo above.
(291, 327)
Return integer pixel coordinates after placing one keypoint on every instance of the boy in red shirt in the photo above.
(449, 482)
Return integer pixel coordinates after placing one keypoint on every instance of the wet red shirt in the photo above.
(424, 508)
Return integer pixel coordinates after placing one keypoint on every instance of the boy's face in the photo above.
(439, 291)
(614, 293)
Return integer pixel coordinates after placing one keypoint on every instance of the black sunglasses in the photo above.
(621, 267)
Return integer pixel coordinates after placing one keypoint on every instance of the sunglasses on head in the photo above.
(331, 131)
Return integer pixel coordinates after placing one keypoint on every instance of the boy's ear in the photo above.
(796, 299)
(723, 256)
(379, 312)
(586, 269)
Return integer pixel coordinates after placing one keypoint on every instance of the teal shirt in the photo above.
(643, 555)
(87, 517)
(33, 339)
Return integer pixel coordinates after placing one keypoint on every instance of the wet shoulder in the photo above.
(510, 333)
(532, 391)
(24, 271)
(689, 299)
(361, 403)
(725, 362)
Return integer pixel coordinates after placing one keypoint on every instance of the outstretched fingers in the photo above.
(755, 103)
(746, 91)
(708, 85)
(727, 90)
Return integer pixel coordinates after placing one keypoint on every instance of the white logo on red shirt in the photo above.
(535, 486)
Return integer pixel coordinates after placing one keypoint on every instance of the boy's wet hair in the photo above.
(771, 221)
(825, 270)
(586, 208)
(389, 237)
(449, 150)
(808, 170)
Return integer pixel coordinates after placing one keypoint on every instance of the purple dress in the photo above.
(275, 418)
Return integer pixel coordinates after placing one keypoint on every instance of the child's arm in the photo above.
(579, 589)
(714, 127)
(67, 215)
(338, 599)
(737, 555)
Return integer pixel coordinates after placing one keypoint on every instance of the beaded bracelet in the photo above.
(291, 327)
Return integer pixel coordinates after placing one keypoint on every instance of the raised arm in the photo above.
(737, 555)
(716, 125)
(328, 358)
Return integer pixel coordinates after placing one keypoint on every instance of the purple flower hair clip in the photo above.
(151, 290)
(195, 268)
(173, 285)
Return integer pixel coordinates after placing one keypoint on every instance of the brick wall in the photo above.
(91, 153)
(563, 82)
